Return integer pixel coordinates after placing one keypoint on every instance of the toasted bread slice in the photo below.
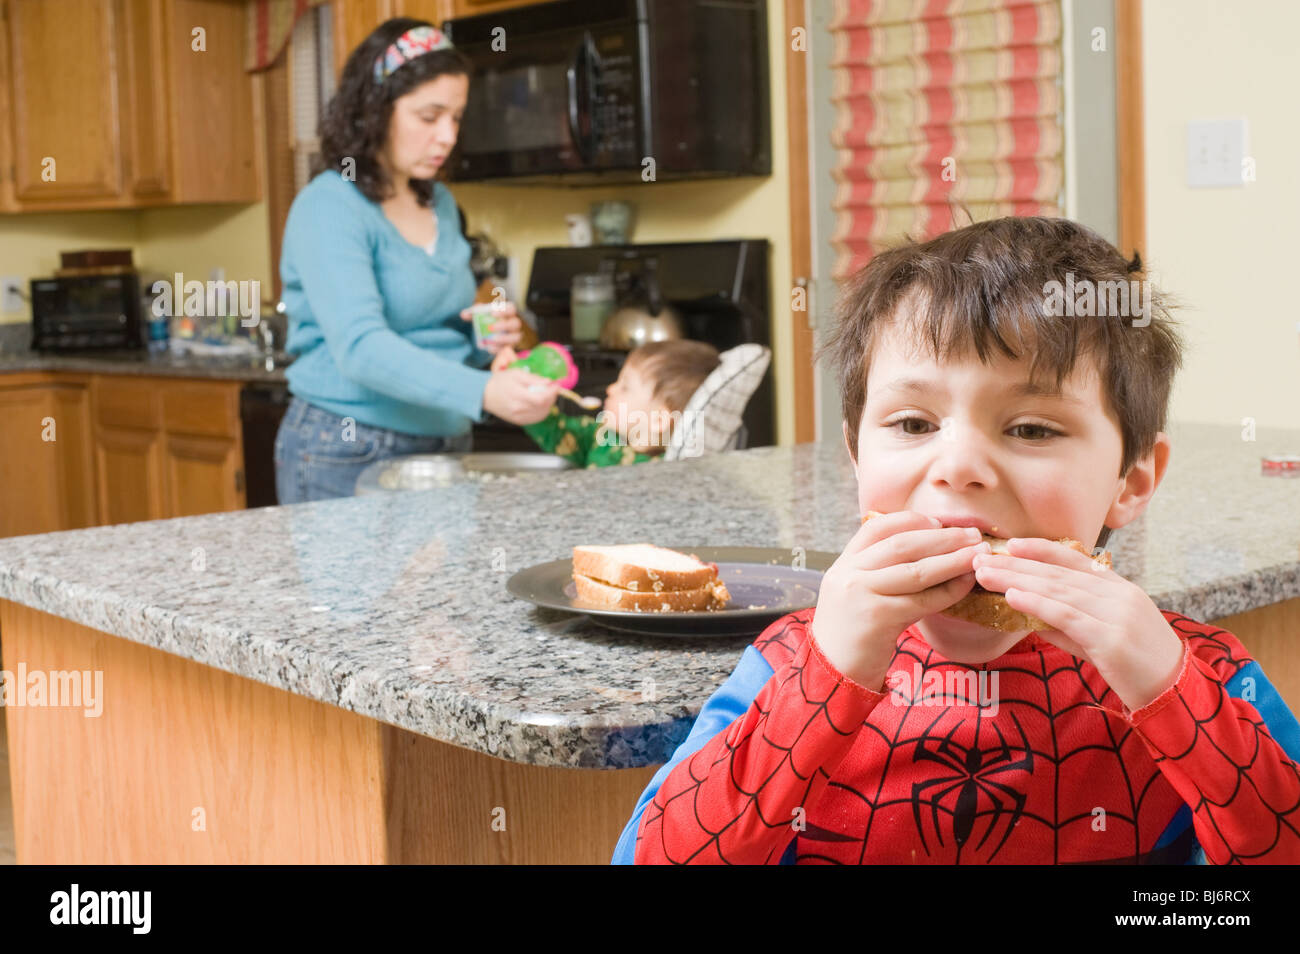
(990, 608)
(713, 595)
(643, 568)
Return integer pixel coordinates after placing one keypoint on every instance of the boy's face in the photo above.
(977, 453)
(632, 410)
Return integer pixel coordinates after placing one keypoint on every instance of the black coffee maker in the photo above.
(719, 290)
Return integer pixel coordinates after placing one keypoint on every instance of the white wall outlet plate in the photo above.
(11, 294)
(1216, 153)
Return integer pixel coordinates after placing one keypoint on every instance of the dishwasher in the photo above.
(261, 405)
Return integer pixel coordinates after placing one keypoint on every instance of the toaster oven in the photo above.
(73, 313)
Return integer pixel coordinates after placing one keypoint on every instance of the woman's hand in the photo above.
(507, 331)
(519, 396)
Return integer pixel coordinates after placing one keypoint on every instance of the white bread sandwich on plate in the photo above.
(646, 578)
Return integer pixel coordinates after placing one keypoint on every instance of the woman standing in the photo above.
(377, 282)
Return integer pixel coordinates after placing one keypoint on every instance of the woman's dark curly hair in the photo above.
(355, 124)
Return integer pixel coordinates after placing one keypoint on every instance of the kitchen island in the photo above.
(348, 681)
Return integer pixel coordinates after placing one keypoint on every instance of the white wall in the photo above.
(1232, 255)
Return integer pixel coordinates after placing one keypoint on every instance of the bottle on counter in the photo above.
(158, 334)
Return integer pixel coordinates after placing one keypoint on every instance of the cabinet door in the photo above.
(204, 475)
(470, 8)
(146, 121)
(204, 448)
(214, 141)
(45, 460)
(354, 20)
(7, 203)
(76, 451)
(129, 462)
(64, 93)
(128, 448)
(435, 11)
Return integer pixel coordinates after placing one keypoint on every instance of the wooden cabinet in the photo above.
(46, 469)
(128, 449)
(145, 114)
(64, 116)
(6, 108)
(204, 450)
(216, 155)
(124, 104)
(435, 11)
(469, 8)
(130, 467)
(167, 447)
(83, 450)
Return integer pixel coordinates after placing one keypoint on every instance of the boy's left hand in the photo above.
(503, 358)
(1095, 613)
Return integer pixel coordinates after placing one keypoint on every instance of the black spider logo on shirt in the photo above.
(971, 770)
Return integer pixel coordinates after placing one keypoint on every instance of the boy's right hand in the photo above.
(897, 568)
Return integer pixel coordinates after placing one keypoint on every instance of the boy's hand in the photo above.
(896, 569)
(1095, 613)
(503, 358)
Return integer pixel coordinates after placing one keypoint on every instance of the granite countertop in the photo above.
(394, 605)
(242, 368)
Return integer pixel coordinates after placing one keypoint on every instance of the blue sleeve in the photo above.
(731, 700)
(335, 262)
(1251, 685)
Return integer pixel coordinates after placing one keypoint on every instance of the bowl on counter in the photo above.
(429, 471)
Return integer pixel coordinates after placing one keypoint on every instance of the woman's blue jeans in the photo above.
(315, 460)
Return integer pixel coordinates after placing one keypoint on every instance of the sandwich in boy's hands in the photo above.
(1094, 614)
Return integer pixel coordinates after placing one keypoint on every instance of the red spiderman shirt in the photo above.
(1030, 758)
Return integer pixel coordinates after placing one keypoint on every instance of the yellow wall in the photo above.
(30, 244)
(194, 240)
(1228, 253)
(189, 239)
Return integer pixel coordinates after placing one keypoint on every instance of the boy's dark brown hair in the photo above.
(989, 285)
(676, 368)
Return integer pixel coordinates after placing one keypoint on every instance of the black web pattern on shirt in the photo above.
(749, 805)
(784, 642)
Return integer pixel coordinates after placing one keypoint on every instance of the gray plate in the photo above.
(763, 586)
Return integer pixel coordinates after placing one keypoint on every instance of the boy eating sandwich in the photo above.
(875, 729)
(635, 425)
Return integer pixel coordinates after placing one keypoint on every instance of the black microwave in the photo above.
(86, 311)
(597, 91)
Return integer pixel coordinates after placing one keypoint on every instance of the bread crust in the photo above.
(712, 596)
(988, 608)
(609, 569)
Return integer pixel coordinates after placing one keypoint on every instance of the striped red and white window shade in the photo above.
(940, 105)
(269, 24)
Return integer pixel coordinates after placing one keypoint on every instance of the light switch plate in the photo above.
(1216, 150)
(11, 299)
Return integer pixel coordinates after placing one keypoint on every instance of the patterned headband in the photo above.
(414, 42)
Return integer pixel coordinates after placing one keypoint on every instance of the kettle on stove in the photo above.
(643, 316)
